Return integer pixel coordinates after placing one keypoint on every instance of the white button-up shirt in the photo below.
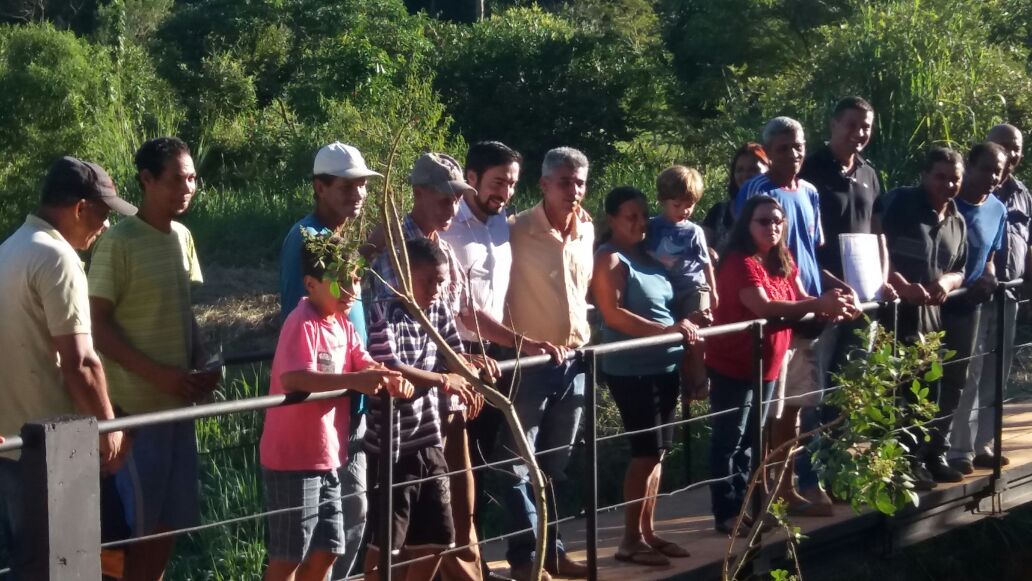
(485, 255)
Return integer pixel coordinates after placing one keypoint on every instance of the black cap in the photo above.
(70, 179)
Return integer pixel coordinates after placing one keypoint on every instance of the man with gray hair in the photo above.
(552, 250)
(806, 367)
(972, 433)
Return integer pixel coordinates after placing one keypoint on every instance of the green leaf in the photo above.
(934, 373)
(335, 289)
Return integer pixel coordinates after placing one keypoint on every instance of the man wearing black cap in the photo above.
(46, 351)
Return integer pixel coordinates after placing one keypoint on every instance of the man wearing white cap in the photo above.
(339, 179)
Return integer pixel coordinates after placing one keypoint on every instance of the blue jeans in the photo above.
(10, 514)
(731, 441)
(549, 401)
(352, 480)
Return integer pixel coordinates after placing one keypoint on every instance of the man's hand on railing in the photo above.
(888, 292)
(485, 365)
(532, 347)
(914, 294)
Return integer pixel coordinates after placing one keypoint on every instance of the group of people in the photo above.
(494, 286)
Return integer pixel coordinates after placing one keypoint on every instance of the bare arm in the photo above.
(368, 381)
(450, 383)
(833, 303)
(711, 280)
(607, 283)
(486, 327)
(86, 384)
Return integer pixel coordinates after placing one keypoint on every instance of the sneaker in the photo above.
(522, 573)
(986, 461)
(962, 465)
(923, 480)
(942, 472)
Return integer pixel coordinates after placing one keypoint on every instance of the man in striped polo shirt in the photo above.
(140, 279)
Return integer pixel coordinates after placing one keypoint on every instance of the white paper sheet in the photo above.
(861, 265)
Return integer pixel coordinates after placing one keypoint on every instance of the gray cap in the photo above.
(440, 172)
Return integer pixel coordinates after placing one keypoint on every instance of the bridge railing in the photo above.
(60, 536)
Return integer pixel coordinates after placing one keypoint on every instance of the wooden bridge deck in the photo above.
(685, 519)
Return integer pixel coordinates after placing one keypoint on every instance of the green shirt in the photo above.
(147, 275)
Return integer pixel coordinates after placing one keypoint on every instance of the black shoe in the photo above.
(923, 480)
(962, 465)
(942, 472)
(986, 461)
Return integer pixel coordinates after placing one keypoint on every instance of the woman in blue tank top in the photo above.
(635, 298)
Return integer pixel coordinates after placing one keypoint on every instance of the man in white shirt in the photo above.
(479, 236)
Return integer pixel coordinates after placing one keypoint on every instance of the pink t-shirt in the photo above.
(308, 436)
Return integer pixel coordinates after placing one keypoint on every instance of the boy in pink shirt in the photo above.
(300, 450)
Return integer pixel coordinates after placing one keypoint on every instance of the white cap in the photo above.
(339, 159)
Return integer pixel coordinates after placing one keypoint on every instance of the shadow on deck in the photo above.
(685, 518)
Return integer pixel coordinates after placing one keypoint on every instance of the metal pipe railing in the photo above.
(586, 357)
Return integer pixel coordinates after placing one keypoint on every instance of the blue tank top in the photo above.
(649, 295)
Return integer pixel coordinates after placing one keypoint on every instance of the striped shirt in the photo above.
(397, 338)
(384, 278)
(147, 275)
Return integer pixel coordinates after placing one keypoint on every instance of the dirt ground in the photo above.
(238, 308)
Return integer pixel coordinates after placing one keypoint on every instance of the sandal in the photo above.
(670, 549)
(643, 556)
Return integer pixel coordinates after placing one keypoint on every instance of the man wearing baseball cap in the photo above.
(46, 351)
(438, 186)
(339, 178)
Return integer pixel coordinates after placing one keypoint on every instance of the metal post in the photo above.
(1001, 375)
(757, 411)
(61, 499)
(386, 497)
(761, 562)
(590, 362)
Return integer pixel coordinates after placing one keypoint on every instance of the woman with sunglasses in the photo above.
(760, 278)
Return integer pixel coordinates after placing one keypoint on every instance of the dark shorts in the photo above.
(422, 510)
(646, 401)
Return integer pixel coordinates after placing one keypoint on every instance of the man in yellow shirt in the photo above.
(140, 279)
(552, 258)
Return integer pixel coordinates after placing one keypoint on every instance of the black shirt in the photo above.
(922, 249)
(847, 201)
(1010, 260)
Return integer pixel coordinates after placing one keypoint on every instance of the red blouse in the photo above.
(731, 355)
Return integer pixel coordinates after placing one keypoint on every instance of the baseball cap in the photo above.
(70, 179)
(440, 172)
(340, 159)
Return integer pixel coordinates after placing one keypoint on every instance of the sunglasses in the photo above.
(765, 222)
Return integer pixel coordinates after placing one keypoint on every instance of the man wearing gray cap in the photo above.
(438, 185)
(46, 351)
(339, 178)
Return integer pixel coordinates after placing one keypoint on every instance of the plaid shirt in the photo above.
(397, 338)
(453, 292)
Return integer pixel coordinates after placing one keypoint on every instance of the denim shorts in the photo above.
(318, 524)
(159, 482)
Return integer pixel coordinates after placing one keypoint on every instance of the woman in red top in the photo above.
(759, 280)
